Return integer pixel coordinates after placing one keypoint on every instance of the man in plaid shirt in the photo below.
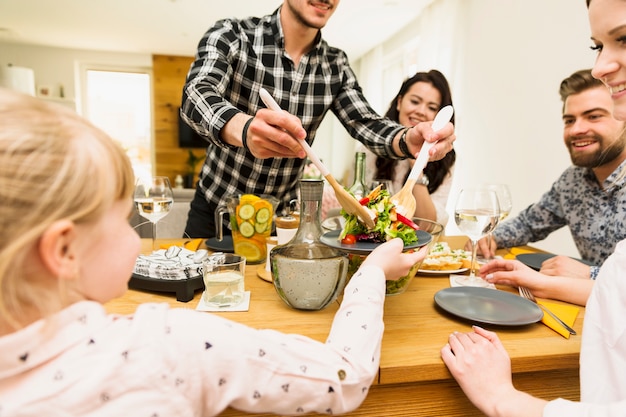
(255, 150)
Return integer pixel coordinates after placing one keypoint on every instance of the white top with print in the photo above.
(179, 362)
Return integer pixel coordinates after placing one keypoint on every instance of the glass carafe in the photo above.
(307, 274)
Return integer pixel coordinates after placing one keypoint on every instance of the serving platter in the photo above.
(184, 288)
(364, 248)
(490, 306)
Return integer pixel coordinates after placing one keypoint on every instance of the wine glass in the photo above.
(476, 214)
(153, 199)
(387, 185)
(505, 201)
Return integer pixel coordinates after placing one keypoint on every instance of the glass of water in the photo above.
(223, 275)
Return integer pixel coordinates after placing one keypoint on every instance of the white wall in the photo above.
(508, 109)
(509, 63)
(59, 66)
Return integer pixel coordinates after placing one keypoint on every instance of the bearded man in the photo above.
(588, 197)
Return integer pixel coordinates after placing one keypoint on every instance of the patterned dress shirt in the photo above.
(596, 216)
(235, 58)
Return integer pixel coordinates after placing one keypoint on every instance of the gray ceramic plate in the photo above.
(486, 305)
(534, 260)
(364, 248)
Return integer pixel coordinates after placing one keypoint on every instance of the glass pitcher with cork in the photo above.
(307, 274)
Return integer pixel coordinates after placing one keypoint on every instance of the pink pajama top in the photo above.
(176, 362)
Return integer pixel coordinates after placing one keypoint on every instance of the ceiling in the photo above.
(174, 27)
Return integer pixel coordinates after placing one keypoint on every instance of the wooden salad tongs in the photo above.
(404, 199)
(350, 204)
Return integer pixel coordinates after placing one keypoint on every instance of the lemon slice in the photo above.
(248, 199)
(249, 250)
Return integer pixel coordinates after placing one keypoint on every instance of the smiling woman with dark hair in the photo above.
(419, 99)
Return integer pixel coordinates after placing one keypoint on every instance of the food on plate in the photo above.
(442, 258)
(388, 223)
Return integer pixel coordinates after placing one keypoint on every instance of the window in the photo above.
(119, 102)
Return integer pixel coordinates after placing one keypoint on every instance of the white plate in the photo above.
(441, 271)
(334, 223)
(486, 305)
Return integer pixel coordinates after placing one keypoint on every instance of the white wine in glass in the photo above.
(476, 214)
(504, 200)
(153, 199)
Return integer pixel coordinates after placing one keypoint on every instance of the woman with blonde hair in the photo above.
(66, 247)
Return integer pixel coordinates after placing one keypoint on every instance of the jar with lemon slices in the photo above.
(251, 223)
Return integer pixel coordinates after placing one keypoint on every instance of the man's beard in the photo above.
(600, 157)
(300, 18)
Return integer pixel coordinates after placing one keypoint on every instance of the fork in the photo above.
(525, 292)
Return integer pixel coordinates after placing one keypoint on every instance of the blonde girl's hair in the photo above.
(53, 165)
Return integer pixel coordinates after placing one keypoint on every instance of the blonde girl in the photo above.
(66, 247)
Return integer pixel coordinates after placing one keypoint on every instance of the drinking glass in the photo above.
(153, 199)
(387, 185)
(505, 201)
(476, 214)
(223, 275)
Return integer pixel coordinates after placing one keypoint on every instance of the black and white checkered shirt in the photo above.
(235, 58)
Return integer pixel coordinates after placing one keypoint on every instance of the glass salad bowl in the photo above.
(400, 285)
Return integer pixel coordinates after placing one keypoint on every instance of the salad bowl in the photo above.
(433, 229)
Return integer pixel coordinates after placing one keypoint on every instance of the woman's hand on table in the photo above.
(482, 368)
(390, 258)
(514, 273)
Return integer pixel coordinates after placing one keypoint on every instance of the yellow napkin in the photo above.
(565, 312)
(192, 244)
(517, 251)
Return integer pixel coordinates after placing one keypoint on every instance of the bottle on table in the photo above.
(358, 187)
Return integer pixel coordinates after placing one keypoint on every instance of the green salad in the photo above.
(389, 223)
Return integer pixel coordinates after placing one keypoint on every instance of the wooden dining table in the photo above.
(412, 379)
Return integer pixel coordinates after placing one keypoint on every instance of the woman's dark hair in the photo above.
(436, 171)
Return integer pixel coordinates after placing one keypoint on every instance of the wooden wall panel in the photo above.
(168, 78)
